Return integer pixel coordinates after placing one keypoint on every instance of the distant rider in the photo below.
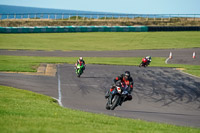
(147, 60)
(81, 62)
(126, 80)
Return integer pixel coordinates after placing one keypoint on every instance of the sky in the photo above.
(115, 6)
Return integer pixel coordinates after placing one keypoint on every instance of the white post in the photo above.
(170, 55)
(193, 56)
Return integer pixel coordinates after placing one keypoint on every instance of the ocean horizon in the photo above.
(7, 9)
(21, 12)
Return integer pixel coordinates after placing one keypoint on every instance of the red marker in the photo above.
(193, 56)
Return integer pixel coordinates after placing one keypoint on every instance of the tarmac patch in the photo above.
(43, 69)
(180, 69)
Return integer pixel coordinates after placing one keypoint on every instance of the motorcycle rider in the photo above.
(147, 60)
(81, 62)
(125, 79)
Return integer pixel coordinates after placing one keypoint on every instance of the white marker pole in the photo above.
(170, 55)
(193, 56)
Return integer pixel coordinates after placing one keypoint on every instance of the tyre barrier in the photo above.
(173, 28)
(60, 29)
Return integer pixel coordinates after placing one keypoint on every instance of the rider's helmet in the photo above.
(127, 75)
(148, 58)
(80, 58)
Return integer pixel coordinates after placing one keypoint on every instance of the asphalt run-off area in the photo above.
(162, 95)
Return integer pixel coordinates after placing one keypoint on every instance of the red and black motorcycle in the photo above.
(144, 63)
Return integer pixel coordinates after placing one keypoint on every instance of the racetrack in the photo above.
(160, 94)
(179, 56)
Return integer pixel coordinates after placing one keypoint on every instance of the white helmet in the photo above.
(148, 58)
(81, 58)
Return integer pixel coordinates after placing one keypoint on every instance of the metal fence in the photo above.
(112, 17)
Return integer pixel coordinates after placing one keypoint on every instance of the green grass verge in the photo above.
(30, 63)
(100, 41)
(25, 111)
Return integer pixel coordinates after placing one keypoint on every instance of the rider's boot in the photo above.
(120, 104)
(123, 100)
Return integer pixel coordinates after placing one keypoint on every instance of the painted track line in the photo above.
(59, 89)
(166, 60)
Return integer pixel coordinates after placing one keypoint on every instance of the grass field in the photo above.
(100, 41)
(25, 111)
(29, 64)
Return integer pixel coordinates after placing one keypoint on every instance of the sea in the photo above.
(9, 12)
(7, 9)
(20, 12)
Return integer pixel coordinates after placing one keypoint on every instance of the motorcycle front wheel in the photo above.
(78, 73)
(115, 102)
(107, 106)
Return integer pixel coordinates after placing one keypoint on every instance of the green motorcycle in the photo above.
(79, 70)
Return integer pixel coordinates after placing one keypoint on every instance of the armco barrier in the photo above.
(60, 29)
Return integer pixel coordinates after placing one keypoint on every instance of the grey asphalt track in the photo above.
(40, 84)
(180, 56)
(160, 94)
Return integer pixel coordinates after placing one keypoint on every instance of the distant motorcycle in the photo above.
(143, 64)
(79, 70)
(116, 98)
